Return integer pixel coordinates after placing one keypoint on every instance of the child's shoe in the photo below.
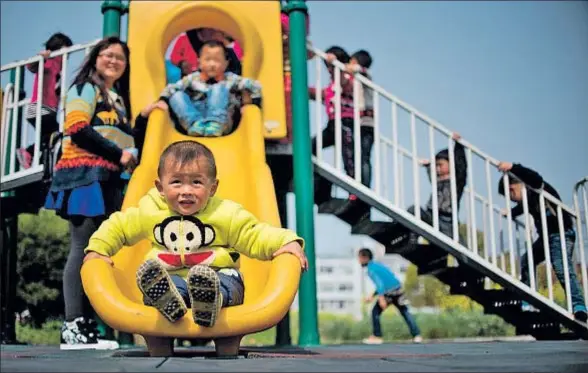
(373, 340)
(82, 334)
(580, 313)
(159, 290)
(205, 296)
(205, 129)
(24, 158)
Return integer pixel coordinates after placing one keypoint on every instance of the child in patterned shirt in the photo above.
(206, 103)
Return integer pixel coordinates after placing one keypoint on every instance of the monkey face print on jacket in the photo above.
(186, 239)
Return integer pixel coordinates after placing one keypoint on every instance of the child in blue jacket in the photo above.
(388, 291)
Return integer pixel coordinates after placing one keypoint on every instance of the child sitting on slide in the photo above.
(197, 238)
(205, 102)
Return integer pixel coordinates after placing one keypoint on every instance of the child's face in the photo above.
(353, 61)
(515, 192)
(442, 167)
(363, 260)
(212, 61)
(187, 187)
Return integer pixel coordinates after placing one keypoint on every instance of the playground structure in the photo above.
(485, 271)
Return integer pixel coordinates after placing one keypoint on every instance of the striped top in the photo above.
(329, 96)
(94, 138)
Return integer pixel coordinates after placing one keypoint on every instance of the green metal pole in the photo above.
(303, 170)
(112, 10)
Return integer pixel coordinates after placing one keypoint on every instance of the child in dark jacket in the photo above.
(515, 192)
(443, 175)
(360, 63)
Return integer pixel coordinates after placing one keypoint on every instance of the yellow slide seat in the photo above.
(270, 287)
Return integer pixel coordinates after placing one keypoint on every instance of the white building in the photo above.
(342, 284)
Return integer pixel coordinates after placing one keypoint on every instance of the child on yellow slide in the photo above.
(197, 238)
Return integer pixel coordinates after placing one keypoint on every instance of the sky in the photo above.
(510, 77)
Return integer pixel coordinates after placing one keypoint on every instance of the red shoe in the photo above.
(24, 158)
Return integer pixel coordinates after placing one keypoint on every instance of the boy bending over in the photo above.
(206, 102)
(388, 291)
(197, 238)
(515, 193)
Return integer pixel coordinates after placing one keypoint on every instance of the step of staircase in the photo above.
(351, 212)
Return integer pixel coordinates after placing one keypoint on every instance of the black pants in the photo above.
(48, 126)
(323, 186)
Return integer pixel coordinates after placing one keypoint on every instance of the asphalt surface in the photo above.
(519, 356)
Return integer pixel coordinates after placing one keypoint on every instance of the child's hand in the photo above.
(246, 98)
(128, 159)
(330, 57)
(156, 105)
(382, 302)
(504, 166)
(369, 299)
(456, 136)
(94, 255)
(295, 249)
(424, 162)
(162, 105)
(45, 53)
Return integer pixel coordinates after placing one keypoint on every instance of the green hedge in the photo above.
(341, 329)
(335, 329)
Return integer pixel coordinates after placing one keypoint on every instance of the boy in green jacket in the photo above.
(197, 238)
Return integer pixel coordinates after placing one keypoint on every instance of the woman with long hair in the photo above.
(98, 145)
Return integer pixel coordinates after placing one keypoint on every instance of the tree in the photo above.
(43, 246)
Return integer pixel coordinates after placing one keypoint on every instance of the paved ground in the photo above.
(520, 356)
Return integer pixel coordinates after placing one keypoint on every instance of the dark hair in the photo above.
(442, 154)
(58, 41)
(187, 151)
(367, 253)
(511, 180)
(363, 58)
(340, 53)
(215, 44)
(88, 74)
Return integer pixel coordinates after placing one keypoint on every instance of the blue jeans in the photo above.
(231, 287)
(557, 263)
(203, 117)
(395, 297)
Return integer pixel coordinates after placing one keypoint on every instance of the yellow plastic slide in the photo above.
(242, 170)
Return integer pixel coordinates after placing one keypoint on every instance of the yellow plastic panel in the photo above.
(255, 24)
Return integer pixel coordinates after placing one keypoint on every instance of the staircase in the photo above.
(485, 269)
